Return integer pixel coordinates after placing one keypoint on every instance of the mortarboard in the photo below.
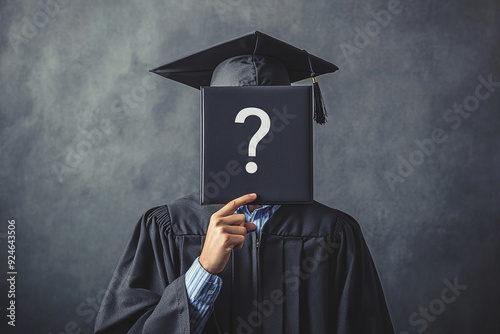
(252, 59)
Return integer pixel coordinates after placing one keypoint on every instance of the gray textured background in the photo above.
(85, 69)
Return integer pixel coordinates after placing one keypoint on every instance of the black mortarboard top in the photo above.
(196, 70)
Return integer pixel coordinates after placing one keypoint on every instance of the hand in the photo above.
(226, 232)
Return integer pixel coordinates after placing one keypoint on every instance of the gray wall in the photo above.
(84, 67)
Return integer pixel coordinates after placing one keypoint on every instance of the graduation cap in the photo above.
(253, 59)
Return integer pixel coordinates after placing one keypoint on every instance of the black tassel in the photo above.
(320, 112)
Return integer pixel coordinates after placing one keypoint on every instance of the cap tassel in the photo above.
(320, 112)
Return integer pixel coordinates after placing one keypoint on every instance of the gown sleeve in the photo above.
(362, 307)
(146, 293)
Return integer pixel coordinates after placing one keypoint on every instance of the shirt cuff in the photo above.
(201, 286)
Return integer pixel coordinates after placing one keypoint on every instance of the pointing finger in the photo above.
(232, 206)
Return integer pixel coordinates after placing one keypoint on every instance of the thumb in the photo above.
(250, 226)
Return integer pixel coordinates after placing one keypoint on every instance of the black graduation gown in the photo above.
(310, 272)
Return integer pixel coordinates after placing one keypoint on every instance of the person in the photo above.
(242, 267)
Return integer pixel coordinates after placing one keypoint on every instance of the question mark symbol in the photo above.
(265, 125)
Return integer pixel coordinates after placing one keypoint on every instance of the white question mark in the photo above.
(265, 125)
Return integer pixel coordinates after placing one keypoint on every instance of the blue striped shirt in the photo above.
(202, 287)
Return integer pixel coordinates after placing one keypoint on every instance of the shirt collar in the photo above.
(263, 209)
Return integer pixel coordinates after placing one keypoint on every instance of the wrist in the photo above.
(205, 265)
